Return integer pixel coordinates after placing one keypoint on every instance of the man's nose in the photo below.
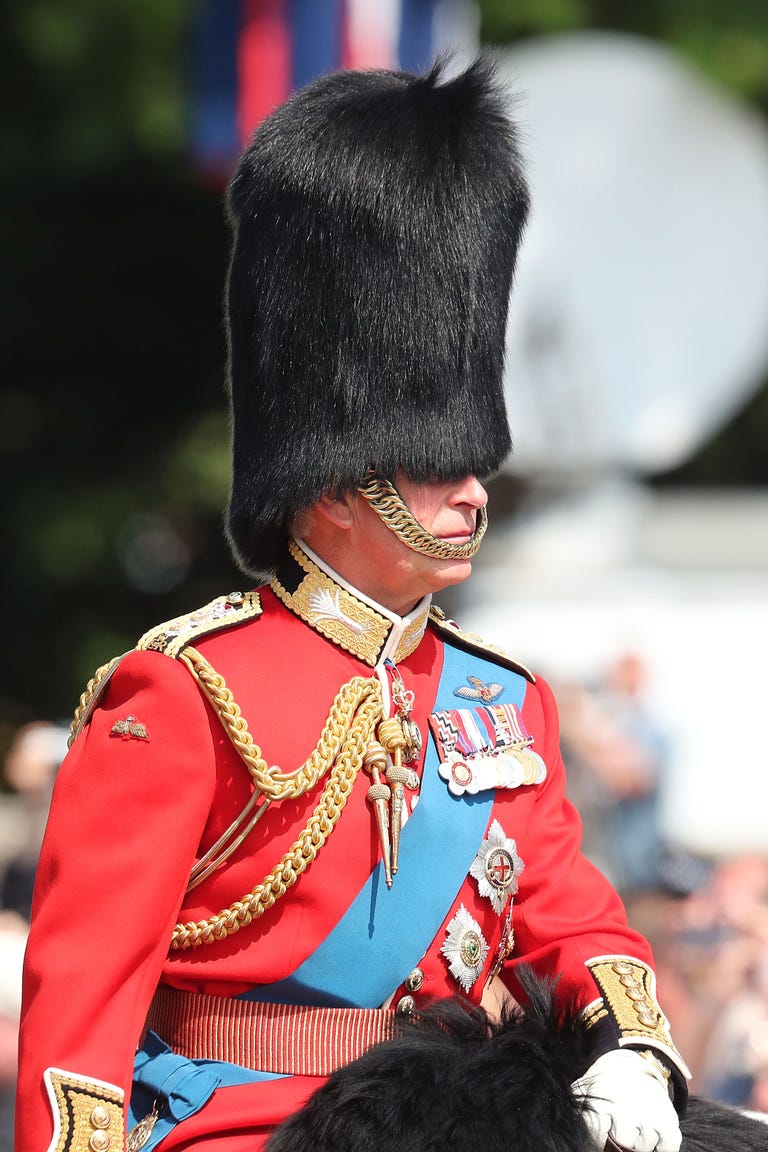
(470, 491)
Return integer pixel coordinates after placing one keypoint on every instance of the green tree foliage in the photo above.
(727, 42)
(113, 438)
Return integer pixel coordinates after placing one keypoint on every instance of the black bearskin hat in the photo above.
(376, 220)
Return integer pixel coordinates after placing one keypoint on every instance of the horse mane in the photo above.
(453, 1078)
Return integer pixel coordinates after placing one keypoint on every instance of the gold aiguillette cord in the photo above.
(375, 762)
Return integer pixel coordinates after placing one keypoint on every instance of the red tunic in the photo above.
(130, 816)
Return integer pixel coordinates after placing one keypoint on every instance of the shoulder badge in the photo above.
(471, 642)
(170, 638)
(223, 612)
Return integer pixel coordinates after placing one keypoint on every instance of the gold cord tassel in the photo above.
(338, 757)
(374, 761)
(391, 734)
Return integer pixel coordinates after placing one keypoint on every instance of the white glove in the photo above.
(626, 1097)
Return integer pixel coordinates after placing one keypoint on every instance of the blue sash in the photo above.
(378, 941)
(181, 1087)
(385, 933)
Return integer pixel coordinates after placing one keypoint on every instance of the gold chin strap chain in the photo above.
(387, 502)
(340, 751)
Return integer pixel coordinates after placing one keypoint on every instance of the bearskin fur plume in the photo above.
(376, 219)
(454, 1080)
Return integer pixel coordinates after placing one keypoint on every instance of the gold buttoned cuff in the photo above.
(87, 1113)
(628, 988)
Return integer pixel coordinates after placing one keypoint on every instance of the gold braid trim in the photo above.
(389, 505)
(87, 1113)
(628, 988)
(271, 781)
(351, 723)
(89, 697)
(475, 643)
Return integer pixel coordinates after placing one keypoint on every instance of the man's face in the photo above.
(393, 574)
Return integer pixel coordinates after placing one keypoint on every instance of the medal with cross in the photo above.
(497, 867)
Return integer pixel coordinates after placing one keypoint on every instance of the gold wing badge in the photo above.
(130, 729)
(479, 690)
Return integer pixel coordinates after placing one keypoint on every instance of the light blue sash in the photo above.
(378, 941)
(181, 1087)
(385, 933)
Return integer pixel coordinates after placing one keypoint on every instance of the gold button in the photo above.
(414, 980)
(100, 1117)
(405, 1006)
(637, 995)
(629, 982)
(99, 1141)
(235, 598)
(622, 968)
(650, 1019)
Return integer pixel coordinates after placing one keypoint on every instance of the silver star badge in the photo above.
(465, 949)
(497, 867)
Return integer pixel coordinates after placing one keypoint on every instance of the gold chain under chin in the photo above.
(389, 505)
(351, 723)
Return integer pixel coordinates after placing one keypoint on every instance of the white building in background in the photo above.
(638, 327)
(681, 579)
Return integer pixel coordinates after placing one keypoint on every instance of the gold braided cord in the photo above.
(84, 703)
(387, 502)
(355, 712)
(270, 780)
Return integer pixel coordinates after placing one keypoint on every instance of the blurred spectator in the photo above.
(13, 938)
(707, 921)
(581, 727)
(734, 981)
(711, 950)
(616, 751)
(632, 764)
(30, 768)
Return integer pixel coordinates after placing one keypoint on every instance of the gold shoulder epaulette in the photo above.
(474, 643)
(223, 612)
(171, 638)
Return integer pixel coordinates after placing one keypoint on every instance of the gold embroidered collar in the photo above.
(348, 618)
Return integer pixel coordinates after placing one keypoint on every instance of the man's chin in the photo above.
(449, 572)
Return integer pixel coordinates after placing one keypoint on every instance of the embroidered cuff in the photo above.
(87, 1114)
(629, 1010)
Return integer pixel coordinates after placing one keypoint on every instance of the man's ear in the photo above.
(338, 508)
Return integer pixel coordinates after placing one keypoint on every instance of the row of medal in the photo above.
(459, 737)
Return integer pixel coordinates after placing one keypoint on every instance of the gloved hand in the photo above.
(626, 1097)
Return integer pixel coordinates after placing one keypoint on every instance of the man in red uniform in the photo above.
(301, 810)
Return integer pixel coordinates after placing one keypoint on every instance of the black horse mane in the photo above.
(454, 1079)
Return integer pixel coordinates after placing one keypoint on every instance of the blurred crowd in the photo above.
(30, 767)
(707, 920)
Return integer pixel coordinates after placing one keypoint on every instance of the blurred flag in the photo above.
(249, 55)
